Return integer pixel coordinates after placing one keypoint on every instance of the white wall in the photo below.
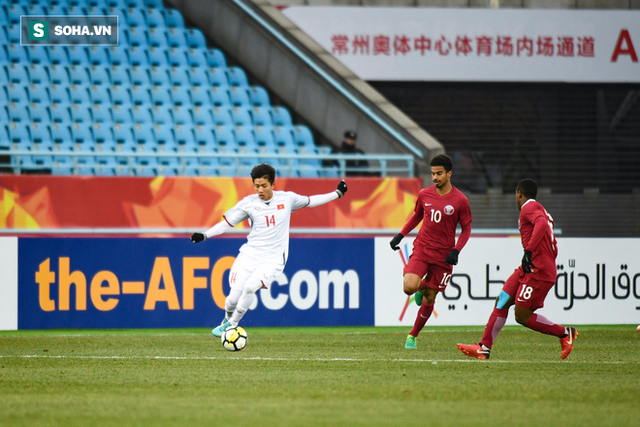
(8, 283)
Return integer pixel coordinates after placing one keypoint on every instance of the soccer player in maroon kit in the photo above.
(440, 207)
(529, 284)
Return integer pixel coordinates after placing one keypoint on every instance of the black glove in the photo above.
(452, 258)
(197, 237)
(394, 242)
(342, 188)
(527, 265)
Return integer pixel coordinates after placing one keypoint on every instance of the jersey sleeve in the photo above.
(414, 219)
(297, 201)
(238, 213)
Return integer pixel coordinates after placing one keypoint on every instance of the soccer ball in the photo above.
(234, 339)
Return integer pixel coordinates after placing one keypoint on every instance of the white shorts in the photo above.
(247, 269)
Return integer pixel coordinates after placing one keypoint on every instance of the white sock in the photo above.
(244, 303)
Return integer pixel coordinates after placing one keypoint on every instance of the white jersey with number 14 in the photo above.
(270, 222)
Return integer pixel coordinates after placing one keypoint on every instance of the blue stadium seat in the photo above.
(118, 75)
(117, 56)
(18, 111)
(61, 137)
(261, 116)
(245, 139)
(13, 13)
(222, 116)
(19, 135)
(157, 37)
(139, 75)
(197, 76)
(119, 94)
(196, 58)
(236, 76)
(181, 115)
(303, 137)
(146, 166)
(202, 114)
(135, 18)
(177, 57)
(37, 111)
(217, 77)
(176, 39)
(240, 116)
(215, 58)
(151, 4)
(140, 94)
(173, 19)
(78, 74)
(101, 113)
(79, 94)
(258, 96)
(77, 55)
(160, 95)
(225, 138)
(60, 112)
(155, 19)
(99, 94)
(137, 56)
(159, 76)
(58, 74)
(162, 140)
(204, 136)
(195, 39)
(98, 55)
(239, 97)
(280, 116)
(38, 55)
(122, 113)
(18, 73)
(183, 136)
(80, 113)
(143, 137)
(179, 77)
(157, 56)
(17, 92)
(37, 93)
(284, 139)
(180, 96)
(102, 138)
(141, 114)
(40, 136)
(58, 55)
(162, 114)
(99, 75)
(200, 95)
(136, 37)
(82, 135)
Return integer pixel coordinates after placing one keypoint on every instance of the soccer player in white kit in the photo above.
(265, 254)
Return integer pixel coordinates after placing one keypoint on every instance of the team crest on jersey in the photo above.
(448, 210)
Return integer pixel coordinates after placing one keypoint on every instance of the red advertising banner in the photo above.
(39, 201)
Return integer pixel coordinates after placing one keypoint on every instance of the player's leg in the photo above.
(437, 279)
(410, 283)
(530, 297)
(238, 275)
(260, 277)
(497, 319)
(413, 272)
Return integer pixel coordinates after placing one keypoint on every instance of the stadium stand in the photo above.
(163, 90)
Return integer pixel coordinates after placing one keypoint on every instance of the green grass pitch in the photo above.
(360, 376)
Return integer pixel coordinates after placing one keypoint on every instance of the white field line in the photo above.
(316, 359)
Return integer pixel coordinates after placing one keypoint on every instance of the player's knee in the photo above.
(522, 317)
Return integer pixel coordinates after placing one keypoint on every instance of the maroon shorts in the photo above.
(529, 293)
(433, 275)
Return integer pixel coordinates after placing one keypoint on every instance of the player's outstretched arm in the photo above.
(216, 230)
(321, 199)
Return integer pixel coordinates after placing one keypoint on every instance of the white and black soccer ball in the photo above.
(234, 339)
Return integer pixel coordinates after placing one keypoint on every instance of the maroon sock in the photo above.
(423, 315)
(494, 326)
(540, 323)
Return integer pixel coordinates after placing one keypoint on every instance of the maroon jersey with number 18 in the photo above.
(536, 230)
(439, 215)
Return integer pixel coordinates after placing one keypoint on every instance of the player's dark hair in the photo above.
(528, 188)
(442, 160)
(262, 170)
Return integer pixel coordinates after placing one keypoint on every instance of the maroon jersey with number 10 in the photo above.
(439, 215)
(536, 230)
